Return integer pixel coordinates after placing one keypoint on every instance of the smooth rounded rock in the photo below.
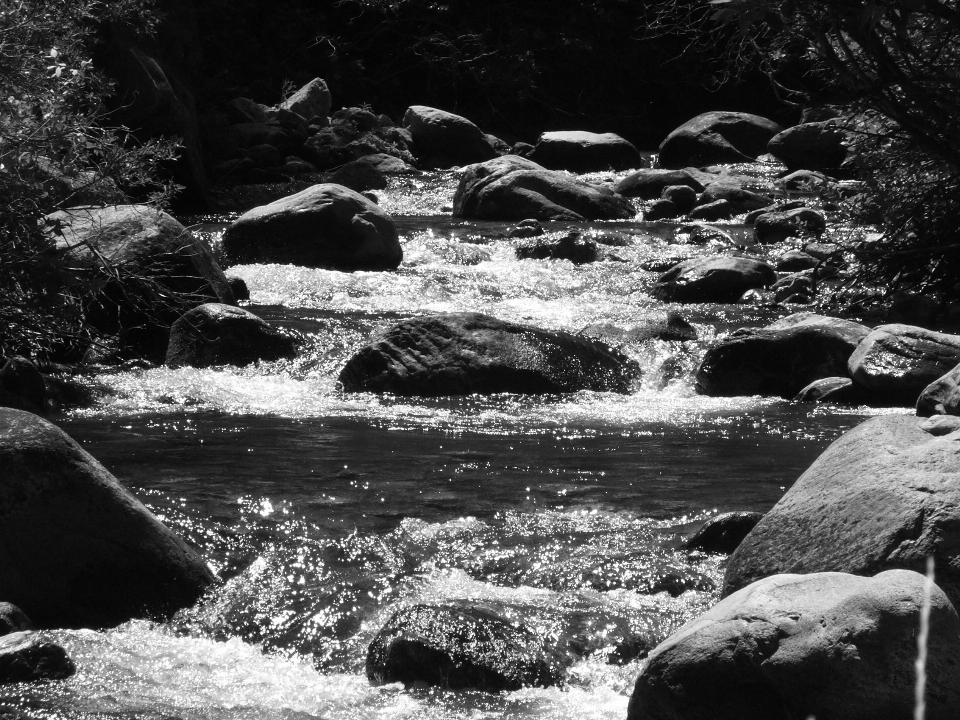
(840, 390)
(774, 227)
(649, 183)
(326, 225)
(77, 549)
(811, 146)
(717, 137)
(443, 139)
(581, 152)
(713, 279)
(466, 353)
(722, 533)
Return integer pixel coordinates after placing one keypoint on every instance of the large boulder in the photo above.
(77, 549)
(581, 151)
(649, 183)
(780, 359)
(713, 279)
(310, 101)
(884, 495)
(442, 139)
(811, 146)
(826, 645)
(514, 188)
(896, 362)
(28, 656)
(326, 225)
(466, 353)
(216, 334)
(942, 396)
(717, 137)
(459, 647)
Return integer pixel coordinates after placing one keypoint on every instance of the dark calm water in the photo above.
(323, 513)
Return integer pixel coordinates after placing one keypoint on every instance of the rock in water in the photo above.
(443, 139)
(458, 647)
(722, 534)
(466, 353)
(214, 334)
(649, 183)
(581, 152)
(27, 656)
(942, 396)
(717, 137)
(13, 619)
(76, 548)
(811, 146)
(326, 225)
(884, 495)
(514, 188)
(713, 279)
(826, 645)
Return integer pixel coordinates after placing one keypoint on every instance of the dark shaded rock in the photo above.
(22, 386)
(457, 648)
(442, 139)
(582, 152)
(500, 146)
(662, 209)
(325, 225)
(806, 181)
(779, 359)
(388, 164)
(27, 656)
(741, 200)
(214, 334)
(525, 229)
(649, 183)
(796, 260)
(825, 645)
(811, 146)
(716, 210)
(722, 533)
(683, 197)
(942, 396)
(896, 362)
(465, 353)
(263, 156)
(704, 235)
(717, 137)
(572, 246)
(362, 120)
(13, 619)
(513, 188)
(244, 110)
(792, 285)
(670, 326)
(713, 279)
(239, 288)
(884, 495)
(358, 176)
(108, 560)
(310, 101)
(774, 227)
(839, 390)
(822, 251)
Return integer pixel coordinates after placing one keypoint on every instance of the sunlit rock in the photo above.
(442, 139)
(459, 647)
(77, 549)
(825, 645)
(713, 279)
(466, 353)
(581, 152)
(717, 137)
(326, 225)
(514, 188)
(310, 101)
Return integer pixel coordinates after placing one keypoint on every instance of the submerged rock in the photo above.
(77, 549)
(713, 279)
(459, 647)
(326, 225)
(573, 247)
(884, 495)
(717, 137)
(514, 188)
(723, 533)
(214, 334)
(825, 645)
(466, 353)
(582, 152)
(28, 656)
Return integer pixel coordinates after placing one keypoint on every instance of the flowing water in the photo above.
(323, 513)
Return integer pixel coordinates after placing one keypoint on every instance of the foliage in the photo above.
(58, 149)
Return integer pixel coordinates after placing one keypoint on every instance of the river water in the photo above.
(324, 513)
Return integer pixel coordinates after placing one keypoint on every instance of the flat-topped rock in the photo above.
(581, 151)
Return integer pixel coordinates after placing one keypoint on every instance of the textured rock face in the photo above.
(215, 334)
(465, 353)
(780, 359)
(581, 152)
(443, 139)
(896, 362)
(717, 137)
(942, 396)
(326, 226)
(456, 648)
(826, 645)
(310, 101)
(77, 549)
(514, 188)
(713, 279)
(884, 495)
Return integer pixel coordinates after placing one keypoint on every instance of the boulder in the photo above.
(326, 226)
(711, 211)
(839, 390)
(791, 286)
(825, 645)
(310, 101)
(466, 353)
(215, 334)
(513, 188)
(741, 200)
(459, 647)
(649, 183)
(683, 197)
(77, 549)
(13, 619)
(358, 176)
(724, 532)
(896, 362)
(27, 656)
(582, 152)
(780, 359)
(942, 396)
(388, 164)
(713, 279)
(810, 146)
(717, 137)
(443, 139)
(362, 120)
(795, 261)
(526, 229)
(662, 209)
(774, 227)
(22, 386)
(573, 247)
(884, 495)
